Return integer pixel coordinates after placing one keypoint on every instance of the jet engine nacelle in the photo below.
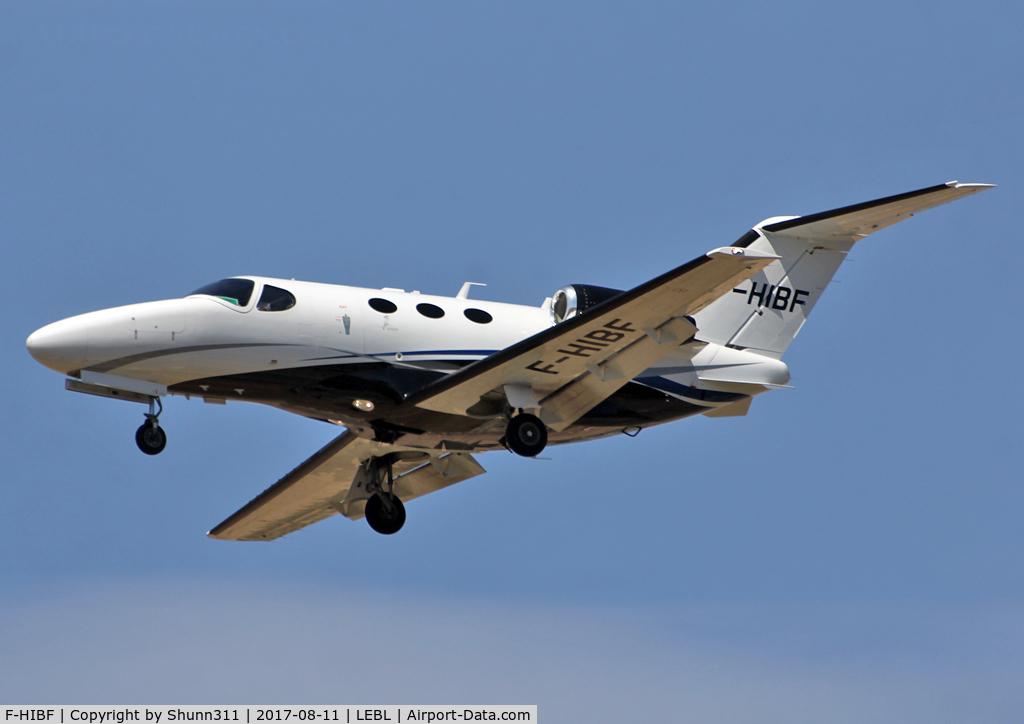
(577, 298)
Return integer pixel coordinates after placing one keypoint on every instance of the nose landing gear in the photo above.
(150, 437)
(384, 511)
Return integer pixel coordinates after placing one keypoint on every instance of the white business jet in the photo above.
(420, 382)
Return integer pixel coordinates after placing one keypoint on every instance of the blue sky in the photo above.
(850, 550)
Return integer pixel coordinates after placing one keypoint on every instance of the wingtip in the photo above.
(979, 187)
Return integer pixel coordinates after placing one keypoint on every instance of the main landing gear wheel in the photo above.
(526, 435)
(151, 438)
(385, 513)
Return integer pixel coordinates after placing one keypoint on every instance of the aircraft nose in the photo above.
(61, 346)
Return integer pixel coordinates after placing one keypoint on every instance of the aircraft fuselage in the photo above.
(351, 356)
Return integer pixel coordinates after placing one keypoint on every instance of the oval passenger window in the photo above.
(478, 315)
(430, 310)
(383, 305)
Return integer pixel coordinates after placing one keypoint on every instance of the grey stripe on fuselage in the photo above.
(114, 364)
(143, 356)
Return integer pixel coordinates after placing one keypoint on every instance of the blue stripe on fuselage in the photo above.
(479, 353)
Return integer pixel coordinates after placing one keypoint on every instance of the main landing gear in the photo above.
(150, 437)
(384, 511)
(526, 435)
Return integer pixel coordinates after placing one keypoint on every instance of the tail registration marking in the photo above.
(774, 297)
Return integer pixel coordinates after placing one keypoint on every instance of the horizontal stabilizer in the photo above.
(851, 223)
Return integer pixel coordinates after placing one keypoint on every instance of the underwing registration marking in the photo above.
(585, 346)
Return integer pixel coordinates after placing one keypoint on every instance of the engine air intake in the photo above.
(577, 298)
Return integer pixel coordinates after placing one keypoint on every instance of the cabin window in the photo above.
(236, 291)
(383, 305)
(478, 315)
(430, 310)
(275, 299)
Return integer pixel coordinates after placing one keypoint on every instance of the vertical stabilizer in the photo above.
(766, 312)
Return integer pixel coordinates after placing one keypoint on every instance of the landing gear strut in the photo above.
(384, 511)
(150, 437)
(526, 435)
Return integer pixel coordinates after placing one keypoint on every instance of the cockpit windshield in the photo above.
(236, 291)
(275, 299)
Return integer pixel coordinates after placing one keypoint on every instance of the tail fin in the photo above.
(766, 312)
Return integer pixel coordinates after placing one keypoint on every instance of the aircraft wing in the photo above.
(852, 223)
(566, 370)
(332, 482)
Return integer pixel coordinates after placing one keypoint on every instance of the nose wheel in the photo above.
(526, 435)
(150, 437)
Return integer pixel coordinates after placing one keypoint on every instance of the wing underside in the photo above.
(332, 481)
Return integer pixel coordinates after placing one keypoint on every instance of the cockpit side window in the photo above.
(236, 291)
(275, 299)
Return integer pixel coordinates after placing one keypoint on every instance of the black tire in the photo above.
(151, 438)
(383, 520)
(526, 435)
